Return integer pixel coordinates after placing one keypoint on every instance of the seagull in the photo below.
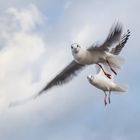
(100, 81)
(95, 54)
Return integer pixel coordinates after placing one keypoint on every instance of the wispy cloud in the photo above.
(22, 47)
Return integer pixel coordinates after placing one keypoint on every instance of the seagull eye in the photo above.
(72, 47)
(78, 46)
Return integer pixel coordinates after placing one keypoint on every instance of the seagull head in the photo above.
(75, 48)
(90, 78)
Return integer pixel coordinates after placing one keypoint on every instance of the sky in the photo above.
(35, 39)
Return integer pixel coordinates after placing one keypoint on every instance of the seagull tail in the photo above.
(116, 61)
(121, 88)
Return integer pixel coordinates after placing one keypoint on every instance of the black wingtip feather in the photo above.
(113, 36)
(121, 44)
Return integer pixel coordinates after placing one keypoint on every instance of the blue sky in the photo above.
(32, 33)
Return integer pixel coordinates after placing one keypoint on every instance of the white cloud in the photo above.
(26, 18)
(27, 62)
(22, 48)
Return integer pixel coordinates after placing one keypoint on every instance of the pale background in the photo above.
(35, 39)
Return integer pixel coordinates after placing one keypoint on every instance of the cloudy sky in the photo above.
(35, 32)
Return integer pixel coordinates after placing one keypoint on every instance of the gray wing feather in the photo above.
(113, 37)
(64, 76)
(93, 47)
(116, 50)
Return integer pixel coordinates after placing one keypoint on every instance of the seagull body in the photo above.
(105, 84)
(102, 82)
(86, 57)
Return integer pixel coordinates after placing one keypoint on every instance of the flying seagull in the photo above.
(100, 81)
(91, 55)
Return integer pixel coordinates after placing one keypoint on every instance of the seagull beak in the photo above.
(74, 50)
(88, 77)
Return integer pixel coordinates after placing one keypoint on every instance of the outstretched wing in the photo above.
(64, 76)
(113, 37)
(116, 50)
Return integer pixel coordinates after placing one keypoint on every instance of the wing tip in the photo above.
(117, 27)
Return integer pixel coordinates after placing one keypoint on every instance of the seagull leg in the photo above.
(109, 97)
(111, 67)
(108, 75)
(105, 102)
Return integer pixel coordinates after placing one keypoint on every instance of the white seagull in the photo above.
(100, 81)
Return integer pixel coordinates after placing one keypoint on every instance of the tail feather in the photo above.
(121, 88)
(116, 61)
